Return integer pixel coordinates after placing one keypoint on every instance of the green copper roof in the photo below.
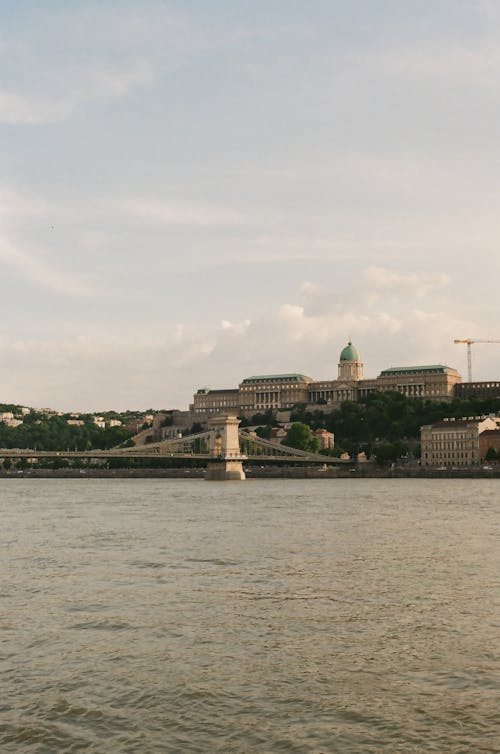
(349, 353)
(432, 368)
(278, 378)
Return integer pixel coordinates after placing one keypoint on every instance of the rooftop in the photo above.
(206, 391)
(454, 423)
(463, 421)
(294, 377)
(426, 369)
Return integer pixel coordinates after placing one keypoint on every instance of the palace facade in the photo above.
(282, 391)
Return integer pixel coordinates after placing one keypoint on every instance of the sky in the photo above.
(195, 192)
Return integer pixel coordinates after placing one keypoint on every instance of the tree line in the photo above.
(386, 426)
(52, 432)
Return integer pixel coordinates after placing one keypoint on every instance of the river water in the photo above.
(299, 616)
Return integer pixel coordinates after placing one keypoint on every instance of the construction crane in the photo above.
(469, 342)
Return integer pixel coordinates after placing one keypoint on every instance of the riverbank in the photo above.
(367, 471)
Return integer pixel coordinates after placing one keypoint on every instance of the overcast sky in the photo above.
(194, 192)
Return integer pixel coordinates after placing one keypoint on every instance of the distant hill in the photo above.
(47, 429)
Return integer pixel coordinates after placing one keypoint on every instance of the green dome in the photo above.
(349, 353)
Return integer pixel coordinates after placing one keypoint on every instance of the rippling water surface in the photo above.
(264, 616)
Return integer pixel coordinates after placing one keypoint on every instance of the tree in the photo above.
(266, 418)
(264, 432)
(301, 437)
(389, 452)
(491, 455)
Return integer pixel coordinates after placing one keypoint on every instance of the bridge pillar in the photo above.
(227, 464)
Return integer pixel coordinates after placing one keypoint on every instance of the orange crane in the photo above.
(469, 342)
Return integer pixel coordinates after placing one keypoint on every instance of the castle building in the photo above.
(282, 391)
(207, 401)
(482, 390)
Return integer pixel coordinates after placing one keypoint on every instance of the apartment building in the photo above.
(455, 442)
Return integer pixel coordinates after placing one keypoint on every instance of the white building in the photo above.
(454, 442)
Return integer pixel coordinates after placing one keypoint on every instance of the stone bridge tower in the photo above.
(225, 448)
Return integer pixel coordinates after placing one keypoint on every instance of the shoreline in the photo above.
(258, 473)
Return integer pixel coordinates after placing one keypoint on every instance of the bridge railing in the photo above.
(278, 449)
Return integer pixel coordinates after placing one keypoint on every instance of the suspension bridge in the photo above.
(223, 446)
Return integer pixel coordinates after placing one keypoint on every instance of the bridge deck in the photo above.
(115, 454)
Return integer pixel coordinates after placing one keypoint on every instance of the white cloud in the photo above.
(178, 213)
(104, 367)
(141, 43)
(40, 272)
(359, 163)
(15, 204)
(297, 324)
(19, 108)
(237, 328)
(163, 365)
(31, 260)
(452, 64)
(378, 280)
(388, 331)
(81, 88)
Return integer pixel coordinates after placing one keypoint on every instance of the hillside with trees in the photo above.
(386, 426)
(43, 430)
